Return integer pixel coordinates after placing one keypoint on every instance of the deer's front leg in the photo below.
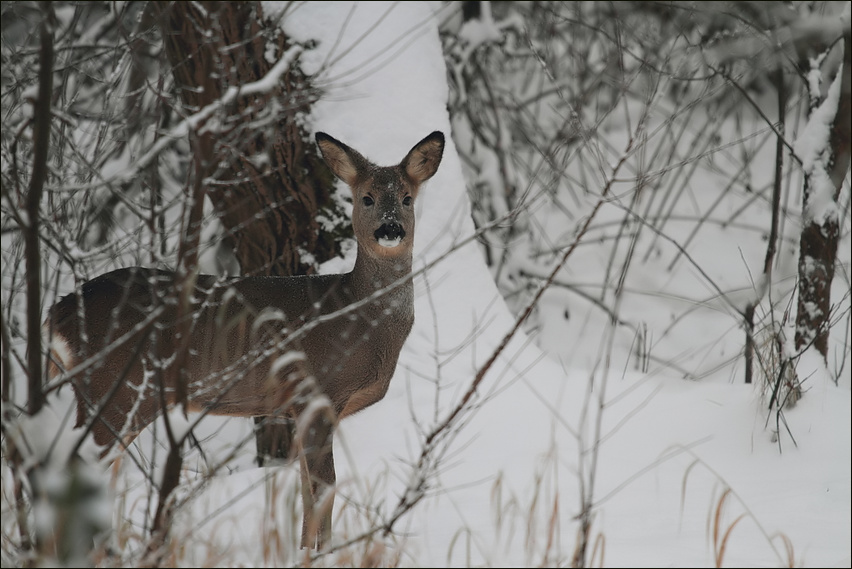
(317, 470)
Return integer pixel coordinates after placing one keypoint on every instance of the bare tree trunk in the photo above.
(41, 147)
(771, 246)
(269, 210)
(820, 235)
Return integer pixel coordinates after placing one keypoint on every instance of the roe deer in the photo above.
(117, 343)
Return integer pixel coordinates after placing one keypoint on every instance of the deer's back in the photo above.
(241, 329)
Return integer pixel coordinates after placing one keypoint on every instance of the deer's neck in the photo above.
(371, 275)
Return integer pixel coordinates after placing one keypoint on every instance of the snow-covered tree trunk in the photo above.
(268, 189)
(824, 148)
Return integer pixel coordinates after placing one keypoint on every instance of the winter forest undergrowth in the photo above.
(632, 277)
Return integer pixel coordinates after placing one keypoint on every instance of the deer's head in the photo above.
(383, 196)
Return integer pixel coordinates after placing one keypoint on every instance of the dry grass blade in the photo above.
(683, 485)
(598, 551)
(716, 520)
(552, 528)
(465, 533)
(719, 548)
(788, 549)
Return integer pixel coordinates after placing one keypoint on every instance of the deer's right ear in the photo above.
(423, 160)
(346, 163)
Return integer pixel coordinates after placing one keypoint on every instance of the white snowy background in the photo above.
(674, 455)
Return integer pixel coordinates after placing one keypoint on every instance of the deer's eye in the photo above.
(368, 201)
(406, 200)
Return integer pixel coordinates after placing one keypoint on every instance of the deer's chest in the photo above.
(356, 358)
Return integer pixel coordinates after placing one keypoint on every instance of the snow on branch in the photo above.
(814, 149)
(193, 122)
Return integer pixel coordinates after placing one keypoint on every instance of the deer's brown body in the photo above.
(255, 343)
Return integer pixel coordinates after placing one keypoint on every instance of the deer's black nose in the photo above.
(390, 231)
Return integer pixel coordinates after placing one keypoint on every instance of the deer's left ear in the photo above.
(423, 160)
(346, 163)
